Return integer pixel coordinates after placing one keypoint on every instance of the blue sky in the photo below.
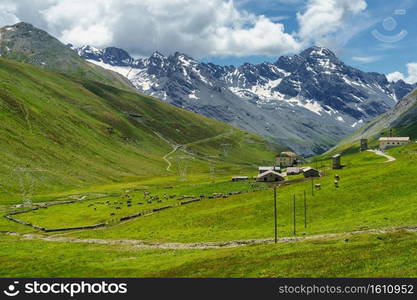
(365, 50)
(372, 35)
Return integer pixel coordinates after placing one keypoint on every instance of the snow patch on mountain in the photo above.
(304, 100)
(125, 71)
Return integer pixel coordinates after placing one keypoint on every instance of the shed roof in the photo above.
(394, 139)
(269, 172)
(308, 169)
(269, 168)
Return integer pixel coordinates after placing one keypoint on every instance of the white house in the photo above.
(389, 142)
(270, 176)
(265, 169)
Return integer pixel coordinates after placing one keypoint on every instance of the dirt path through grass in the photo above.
(143, 245)
(177, 146)
(165, 157)
(380, 153)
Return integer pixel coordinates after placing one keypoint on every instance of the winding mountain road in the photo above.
(175, 146)
(381, 153)
(165, 157)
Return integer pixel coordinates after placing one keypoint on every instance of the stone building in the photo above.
(389, 142)
(336, 164)
(286, 159)
(364, 145)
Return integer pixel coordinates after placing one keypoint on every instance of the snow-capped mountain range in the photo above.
(307, 101)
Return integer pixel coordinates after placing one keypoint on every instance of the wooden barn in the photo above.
(310, 172)
(270, 176)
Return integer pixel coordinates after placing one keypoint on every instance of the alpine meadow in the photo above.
(263, 159)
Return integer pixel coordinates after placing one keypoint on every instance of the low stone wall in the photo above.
(74, 228)
(162, 208)
(143, 213)
(23, 211)
(9, 217)
(131, 217)
(189, 201)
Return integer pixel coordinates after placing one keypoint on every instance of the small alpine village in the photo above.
(289, 164)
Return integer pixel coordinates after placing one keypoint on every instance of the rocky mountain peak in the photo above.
(316, 51)
(157, 56)
(111, 55)
(290, 63)
(23, 26)
(90, 52)
(116, 57)
(27, 32)
(328, 98)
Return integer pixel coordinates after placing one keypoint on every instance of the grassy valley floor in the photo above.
(339, 241)
(365, 255)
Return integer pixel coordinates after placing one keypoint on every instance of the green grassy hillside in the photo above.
(390, 255)
(364, 228)
(382, 196)
(59, 132)
(66, 137)
(373, 200)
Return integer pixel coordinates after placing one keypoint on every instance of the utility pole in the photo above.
(305, 209)
(312, 186)
(294, 218)
(275, 214)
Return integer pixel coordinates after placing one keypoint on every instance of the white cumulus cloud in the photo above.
(322, 18)
(200, 28)
(395, 76)
(197, 27)
(411, 77)
(8, 13)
